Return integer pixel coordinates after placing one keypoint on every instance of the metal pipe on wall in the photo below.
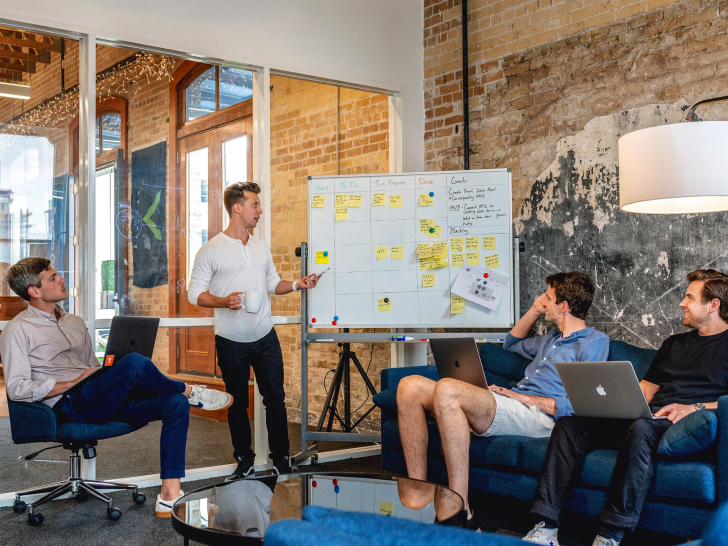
(466, 108)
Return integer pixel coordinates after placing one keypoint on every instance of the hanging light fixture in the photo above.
(14, 90)
(680, 168)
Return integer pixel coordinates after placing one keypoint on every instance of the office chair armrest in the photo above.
(32, 422)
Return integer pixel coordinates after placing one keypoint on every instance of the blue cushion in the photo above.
(293, 532)
(715, 534)
(641, 359)
(691, 435)
(533, 453)
(386, 400)
(84, 431)
(392, 376)
(502, 363)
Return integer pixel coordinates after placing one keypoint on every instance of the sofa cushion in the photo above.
(641, 359)
(500, 365)
(386, 400)
(691, 435)
(533, 453)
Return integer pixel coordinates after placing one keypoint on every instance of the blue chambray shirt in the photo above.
(541, 378)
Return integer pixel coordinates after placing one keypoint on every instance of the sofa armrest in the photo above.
(722, 450)
(32, 422)
(392, 376)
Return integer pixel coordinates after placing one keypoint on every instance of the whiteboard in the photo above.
(369, 242)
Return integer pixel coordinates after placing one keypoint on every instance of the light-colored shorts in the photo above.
(514, 418)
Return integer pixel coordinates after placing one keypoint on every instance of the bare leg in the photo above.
(414, 398)
(170, 489)
(459, 407)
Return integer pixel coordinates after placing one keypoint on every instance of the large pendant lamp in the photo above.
(680, 168)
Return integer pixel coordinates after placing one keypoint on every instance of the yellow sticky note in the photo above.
(425, 264)
(425, 225)
(398, 253)
(438, 262)
(341, 200)
(426, 200)
(473, 258)
(439, 249)
(428, 280)
(395, 201)
(384, 304)
(471, 243)
(322, 256)
(355, 201)
(458, 260)
(435, 234)
(319, 202)
(386, 508)
(488, 243)
(457, 305)
(379, 200)
(424, 250)
(342, 214)
(456, 245)
(492, 262)
(381, 252)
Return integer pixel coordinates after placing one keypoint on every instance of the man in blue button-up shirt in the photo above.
(529, 409)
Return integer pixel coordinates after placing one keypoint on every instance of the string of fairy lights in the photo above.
(124, 79)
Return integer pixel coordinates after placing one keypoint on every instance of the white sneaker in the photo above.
(543, 536)
(163, 508)
(601, 541)
(209, 399)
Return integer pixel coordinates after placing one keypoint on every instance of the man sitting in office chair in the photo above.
(529, 409)
(45, 351)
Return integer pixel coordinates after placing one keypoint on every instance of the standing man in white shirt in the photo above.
(230, 264)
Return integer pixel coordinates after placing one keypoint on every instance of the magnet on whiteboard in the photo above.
(432, 194)
(432, 230)
(326, 252)
(333, 322)
(336, 317)
(386, 300)
(485, 275)
(313, 320)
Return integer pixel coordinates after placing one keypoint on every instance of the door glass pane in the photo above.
(110, 131)
(197, 210)
(105, 266)
(234, 164)
(235, 86)
(97, 135)
(200, 96)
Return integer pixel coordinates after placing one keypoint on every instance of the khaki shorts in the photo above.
(514, 418)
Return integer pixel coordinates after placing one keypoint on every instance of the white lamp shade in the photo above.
(675, 169)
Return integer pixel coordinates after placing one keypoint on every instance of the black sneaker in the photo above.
(245, 468)
(281, 465)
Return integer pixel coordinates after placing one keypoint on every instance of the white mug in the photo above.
(253, 301)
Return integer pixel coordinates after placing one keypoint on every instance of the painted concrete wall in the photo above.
(378, 42)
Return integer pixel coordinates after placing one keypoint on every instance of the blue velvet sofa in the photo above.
(683, 495)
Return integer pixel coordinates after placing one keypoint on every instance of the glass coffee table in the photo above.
(239, 512)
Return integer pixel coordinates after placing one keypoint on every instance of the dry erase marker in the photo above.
(322, 274)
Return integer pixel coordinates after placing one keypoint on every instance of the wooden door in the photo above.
(208, 162)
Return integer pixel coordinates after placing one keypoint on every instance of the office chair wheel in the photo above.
(34, 520)
(19, 506)
(82, 496)
(113, 513)
(139, 498)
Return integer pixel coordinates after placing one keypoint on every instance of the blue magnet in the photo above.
(432, 194)
(337, 489)
(336, 317)
(326, 253)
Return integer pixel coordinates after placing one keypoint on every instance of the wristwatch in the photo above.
(699, 406)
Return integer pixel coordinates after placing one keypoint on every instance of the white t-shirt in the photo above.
(225, 265)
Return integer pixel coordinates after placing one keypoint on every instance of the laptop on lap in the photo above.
(604, 389)
(127, 335)
(458, 358)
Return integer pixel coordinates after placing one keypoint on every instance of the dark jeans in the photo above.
(134, 391)
(574, 437)
(266, 358)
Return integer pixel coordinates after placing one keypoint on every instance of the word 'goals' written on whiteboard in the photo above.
(395, 243)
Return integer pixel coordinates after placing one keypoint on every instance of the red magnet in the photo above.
(333, 322)
(313, 483)
(485, 275)
(313, 320)
(335, 482)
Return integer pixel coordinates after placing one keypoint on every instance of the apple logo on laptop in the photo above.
(457, 364)
(601, 391)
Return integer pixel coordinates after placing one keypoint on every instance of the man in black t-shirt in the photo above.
(689, 373)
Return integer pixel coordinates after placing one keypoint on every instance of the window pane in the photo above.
(105, 264)
(197, 211)
(235, 86)
(235, 165)
(110, 131)
(97, 135)
(200, 96)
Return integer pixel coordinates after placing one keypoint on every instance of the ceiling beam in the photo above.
(43, 56)
(11, 75)
(20, 67)
(53, 46)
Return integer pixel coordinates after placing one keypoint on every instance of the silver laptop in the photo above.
(458, 358)
(604, 389)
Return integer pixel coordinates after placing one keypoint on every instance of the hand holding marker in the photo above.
(322, 274)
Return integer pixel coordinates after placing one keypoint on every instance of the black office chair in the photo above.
(36, 422)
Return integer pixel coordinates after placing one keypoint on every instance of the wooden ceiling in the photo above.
(21, 51)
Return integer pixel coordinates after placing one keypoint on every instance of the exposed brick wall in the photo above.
(523, 103)
(303, 143)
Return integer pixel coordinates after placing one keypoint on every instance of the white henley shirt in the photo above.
(225, 265)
